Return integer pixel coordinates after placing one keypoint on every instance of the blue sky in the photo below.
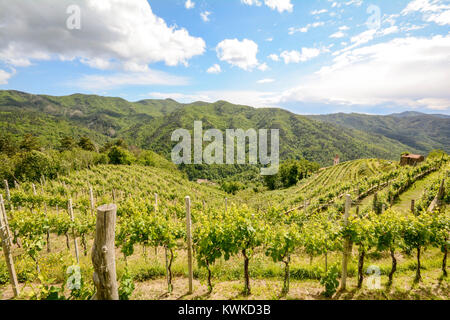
(316, 56)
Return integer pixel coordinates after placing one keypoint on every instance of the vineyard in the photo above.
(325, 232)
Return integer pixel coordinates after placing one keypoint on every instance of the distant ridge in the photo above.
(149, 123)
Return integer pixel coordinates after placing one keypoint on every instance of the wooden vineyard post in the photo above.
(72, 217)
(8, 195)
(91, 200)
(103, 254)
(346, 244)
(5, 219)
(226, 205)
(413, 206)
(189, 242)
(6, 245)
(34, 190)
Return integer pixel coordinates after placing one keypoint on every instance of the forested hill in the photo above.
(420, 131)
(149, 124)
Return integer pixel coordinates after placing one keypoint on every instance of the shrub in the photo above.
(30, 166)
(118, 155)
(330, 281)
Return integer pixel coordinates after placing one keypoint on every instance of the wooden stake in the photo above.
(346, 244)
(103, 254)
(413, 206)
(6, 245)
(189, 242)
(91, 199)
(5, 219)
(8, 196)
(34, 189)
(72, 217)
(226, 205)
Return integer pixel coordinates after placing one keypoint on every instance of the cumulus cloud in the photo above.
(241, 54)
(214, 69)
(411, 72)
(189, 4)
(113, 34)
(5, 76)
(205, 15)
(295, 56)
(274, 57)
(279, 5)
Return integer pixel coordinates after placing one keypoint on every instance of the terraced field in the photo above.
(330, 178)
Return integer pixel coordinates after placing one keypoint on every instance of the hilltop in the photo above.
(149, 123)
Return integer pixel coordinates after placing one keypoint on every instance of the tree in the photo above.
(67, 143)
(32, 165)
(86, 144)
(118, 156)
(7, 145)
(29, 143)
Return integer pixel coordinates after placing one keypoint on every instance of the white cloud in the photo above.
(274, 57)
(117, 80)
(306, 28)
(263, 67)
(279, 5)
(214, 69)
(241, 54)
(338, 35)
(205, 16)
(264, 81)
(113, 33)
(433, 10)
(316, 12)
(295, 56)
(5, 76)
(411, 72)
(189, 4)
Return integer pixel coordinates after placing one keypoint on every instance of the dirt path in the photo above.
(403, 204)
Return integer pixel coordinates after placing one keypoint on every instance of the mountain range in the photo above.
(149, 124)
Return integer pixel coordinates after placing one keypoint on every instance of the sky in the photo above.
(307, 56)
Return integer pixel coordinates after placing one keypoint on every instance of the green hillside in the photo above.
(149, 124)
(419, 131)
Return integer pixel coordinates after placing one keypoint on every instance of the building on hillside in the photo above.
(337, 160)
(411, 159)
